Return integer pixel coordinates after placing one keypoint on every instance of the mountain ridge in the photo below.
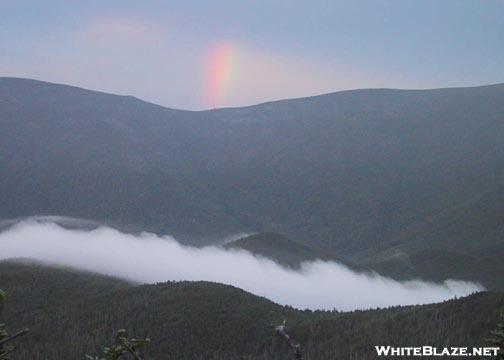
(357, 172)
(215, 321)
(282, 250)
(332, 93)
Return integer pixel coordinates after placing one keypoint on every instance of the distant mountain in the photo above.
(213, 321)
(355, 172)
(280, 249)
(483, 265)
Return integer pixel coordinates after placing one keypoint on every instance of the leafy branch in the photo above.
(122, 346)
(5, 338)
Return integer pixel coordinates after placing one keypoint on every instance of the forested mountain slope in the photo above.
(72, 313)
(355, 173)
(280, 249)
(403, 262)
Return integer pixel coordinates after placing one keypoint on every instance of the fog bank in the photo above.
(148, 258)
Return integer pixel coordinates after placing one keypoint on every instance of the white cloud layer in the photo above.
(147, 258)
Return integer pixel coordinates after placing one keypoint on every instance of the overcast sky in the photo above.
(202, 54)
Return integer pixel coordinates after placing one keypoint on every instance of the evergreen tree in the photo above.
(5, 339)
(122, 346)
(497, 338)
(3, 333)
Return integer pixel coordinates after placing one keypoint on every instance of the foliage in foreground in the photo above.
(122, 346)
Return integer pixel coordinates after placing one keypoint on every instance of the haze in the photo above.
(147, 258)
(197, 54)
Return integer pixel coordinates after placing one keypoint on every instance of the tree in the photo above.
(497, 338)
(5, 339)
(295, 348)
(122, 346)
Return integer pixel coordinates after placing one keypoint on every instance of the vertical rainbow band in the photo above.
(218, 73)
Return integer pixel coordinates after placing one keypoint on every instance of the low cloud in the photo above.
(148, 258)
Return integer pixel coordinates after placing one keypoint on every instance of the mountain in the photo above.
(72, 313)
(78, 153)
(484, 265)
(357, 173)
(280, 249)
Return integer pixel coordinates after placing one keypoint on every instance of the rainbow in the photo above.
(218, 73)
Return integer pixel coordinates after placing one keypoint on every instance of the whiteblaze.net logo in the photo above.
(434, 351)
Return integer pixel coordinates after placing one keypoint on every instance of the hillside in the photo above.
(355, 172)
(280, 249)
(483, 265)
(213, 321)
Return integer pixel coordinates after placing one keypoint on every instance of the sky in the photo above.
(220, 53)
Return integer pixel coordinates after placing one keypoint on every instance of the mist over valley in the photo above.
(147, 258)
